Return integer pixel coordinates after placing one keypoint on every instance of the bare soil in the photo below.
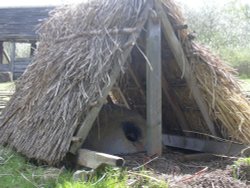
(204, 172)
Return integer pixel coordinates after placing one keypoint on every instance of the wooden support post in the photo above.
(12, 58)
(32, 49)
(154, 92)
(92, 159)
(94, 111)
(1, 52)
(182, 62)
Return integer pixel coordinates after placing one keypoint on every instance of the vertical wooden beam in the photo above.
(12, 58)
(182, 62)
(32, 48)
(1, 52)
(154, 92)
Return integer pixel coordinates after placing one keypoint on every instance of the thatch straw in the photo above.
(78, 47)
(228, 106)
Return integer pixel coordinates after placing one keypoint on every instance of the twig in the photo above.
(136, 168)
(6, 160)
(104, 175)
(28, 180)
(195, 175)
(145, 176)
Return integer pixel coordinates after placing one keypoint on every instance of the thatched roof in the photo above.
(79, 45)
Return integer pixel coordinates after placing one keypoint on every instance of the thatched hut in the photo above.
(88, 48)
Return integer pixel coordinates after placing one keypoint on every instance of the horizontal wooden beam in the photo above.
(92, 159)
(226, 148)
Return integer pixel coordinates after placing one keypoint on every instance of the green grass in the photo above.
(15, 171)
(236, 167)
(7, 86)
(118, 178)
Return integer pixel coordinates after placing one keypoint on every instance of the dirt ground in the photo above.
(181, 172)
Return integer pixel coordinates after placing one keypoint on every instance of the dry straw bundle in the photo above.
(228, 106)
(79, 46)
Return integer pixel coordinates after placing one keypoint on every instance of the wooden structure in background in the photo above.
(19, 25)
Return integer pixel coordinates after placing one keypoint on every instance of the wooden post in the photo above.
(32, 49)
(175, 106)
(182, 62)
(94, 159)
(1, 52)
(12, 58)
(154, 92)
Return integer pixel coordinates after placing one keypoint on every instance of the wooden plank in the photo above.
(154, 92)
(20, 67)
(12, 56)
(92, 159)
(182, 62)
(175, 106)
(209, 146)
(5, 68)
(19, 23)
(94, 111)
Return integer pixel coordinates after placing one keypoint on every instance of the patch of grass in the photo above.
(241, 168)
(15, 171)
(117, 178)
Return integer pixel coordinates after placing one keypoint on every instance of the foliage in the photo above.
(241, 163)
(225, 29)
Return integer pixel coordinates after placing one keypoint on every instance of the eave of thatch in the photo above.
(67, 76)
